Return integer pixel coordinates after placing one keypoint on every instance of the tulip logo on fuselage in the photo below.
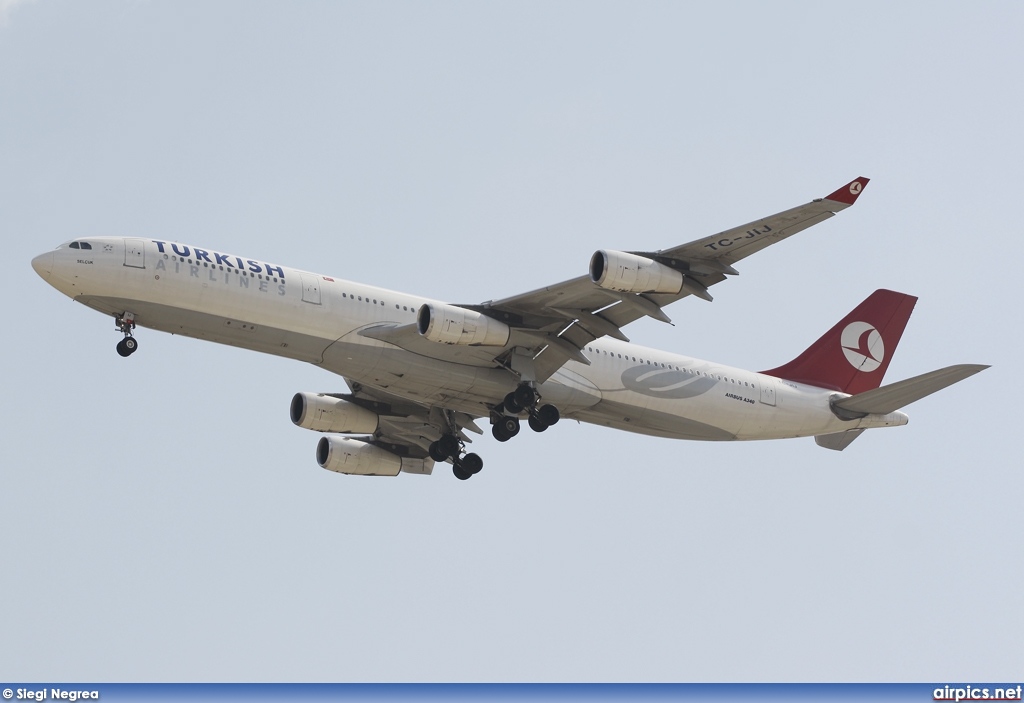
(863, 346)
(666, 382)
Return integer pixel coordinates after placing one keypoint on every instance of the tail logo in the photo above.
(863, 346)
(855, 188)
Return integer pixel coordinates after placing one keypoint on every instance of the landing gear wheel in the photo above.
(498, 432)
(127, 346)
(524, 396)
(536, 424)
(435, 452)
(511, 404)
(548, 414)
(509, 425)
(472, 463)
(449, 445)
(460, 473)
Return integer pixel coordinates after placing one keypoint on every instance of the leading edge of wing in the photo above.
(729, 246)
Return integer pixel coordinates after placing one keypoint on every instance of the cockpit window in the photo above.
(73, 245)
(80, 245)
(86, 245)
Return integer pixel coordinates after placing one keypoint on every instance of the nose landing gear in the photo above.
(125, 323)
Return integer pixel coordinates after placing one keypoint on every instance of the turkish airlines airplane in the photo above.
(422, 372)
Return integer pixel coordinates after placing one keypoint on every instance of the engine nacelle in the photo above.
(345, 455)
(324, 413)
(449, 324)
(629, 273)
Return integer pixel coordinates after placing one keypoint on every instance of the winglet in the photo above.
(848, 193)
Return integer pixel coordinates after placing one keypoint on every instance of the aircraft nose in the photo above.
(43, 264)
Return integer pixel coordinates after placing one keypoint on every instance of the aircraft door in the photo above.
(767, 390)
(310, 288)
(135, 253)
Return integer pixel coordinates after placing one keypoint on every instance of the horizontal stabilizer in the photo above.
(894, 396)
(837, 440)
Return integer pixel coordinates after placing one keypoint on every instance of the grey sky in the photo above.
(163, 520)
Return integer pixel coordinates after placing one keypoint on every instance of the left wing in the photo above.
(407, 428)
(551, 325)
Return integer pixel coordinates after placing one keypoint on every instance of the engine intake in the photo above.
(345, 455)
(629, 273)
(324, 413)
(449, 324)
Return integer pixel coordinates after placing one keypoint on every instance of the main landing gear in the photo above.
(126, 323)
(450, 447)
(505, 424)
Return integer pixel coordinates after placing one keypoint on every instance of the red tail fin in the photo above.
(852, 356)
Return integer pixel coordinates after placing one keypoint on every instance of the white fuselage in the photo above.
(310, 317)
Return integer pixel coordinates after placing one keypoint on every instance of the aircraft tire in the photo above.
(510, 425)
(435, 452)
(448, 445)
(472, 463)
(549, 415)
(511, 404)
(460, 473)
(536, 424)
(524, 396)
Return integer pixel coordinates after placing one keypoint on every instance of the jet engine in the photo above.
(324, 413)
(345, 455)
(449, 324)
(629, 273)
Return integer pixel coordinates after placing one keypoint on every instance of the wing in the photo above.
(407, 428)
(552, 325)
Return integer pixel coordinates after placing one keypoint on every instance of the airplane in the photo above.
(421, 372)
